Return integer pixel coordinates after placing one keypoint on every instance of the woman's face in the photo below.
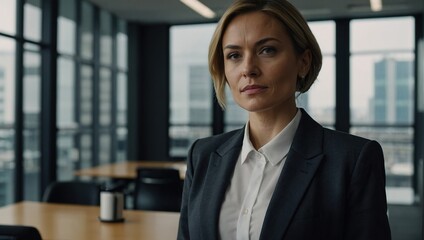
(261, 64)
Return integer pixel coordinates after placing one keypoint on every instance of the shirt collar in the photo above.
(276, 149)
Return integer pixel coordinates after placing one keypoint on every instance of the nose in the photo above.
(250, 67)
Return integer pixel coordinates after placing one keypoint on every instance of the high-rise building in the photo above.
(393, 92)
(200, 94)
(393, 104)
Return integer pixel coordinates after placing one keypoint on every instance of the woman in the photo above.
(282, 176)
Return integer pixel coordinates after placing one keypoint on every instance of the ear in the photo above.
(305, 60)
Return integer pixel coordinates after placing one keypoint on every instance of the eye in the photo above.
(233, 55)
(268, 50)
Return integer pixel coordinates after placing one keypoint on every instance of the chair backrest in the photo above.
(19, 232)
(73, 192)
(158, 189)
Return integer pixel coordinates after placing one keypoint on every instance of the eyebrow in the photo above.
(258, 43)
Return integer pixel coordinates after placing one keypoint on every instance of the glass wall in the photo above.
(320, 100)
(382, 95)
(7, 117)
(31, 124)
(191, 87)
(91, 89)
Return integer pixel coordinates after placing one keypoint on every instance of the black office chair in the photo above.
(73, 192)
(158, 189)
(19, 232)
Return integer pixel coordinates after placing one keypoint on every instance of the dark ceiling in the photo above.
(175, 12)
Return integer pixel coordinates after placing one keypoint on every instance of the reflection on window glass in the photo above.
(66, 27)
(7, 118)
(8, 11)
(32, 19)
(32, 108)
(86, 95)
(382, 95)
(86, 46)
(191, 86)
(65, 93)
(122, 45)
(105, 38)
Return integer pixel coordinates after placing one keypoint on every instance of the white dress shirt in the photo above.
(252, 185)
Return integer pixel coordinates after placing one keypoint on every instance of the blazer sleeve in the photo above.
(367, 204)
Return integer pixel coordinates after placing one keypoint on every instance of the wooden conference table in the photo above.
(70, 222)
(128, 169)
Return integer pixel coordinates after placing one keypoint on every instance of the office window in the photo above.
(32, 110)
(7, 119)
(86, 96)
(66, 27)
(66, 121)
(191, 86)
(121, 117)
(105, 97)
(86, 149)
(32, 20)
(105, 143)
(86, 44)
(8, 11)
(105, 38)
(382, 95)
(122, 91)
(122, 45)
(91, 96)
(86, 92)
(320, 100)
(65, 93)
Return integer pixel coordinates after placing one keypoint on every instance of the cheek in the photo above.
(231, 78)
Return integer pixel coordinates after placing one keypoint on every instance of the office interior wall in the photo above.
(148, 92)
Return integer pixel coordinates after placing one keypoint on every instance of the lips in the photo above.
(252, 89)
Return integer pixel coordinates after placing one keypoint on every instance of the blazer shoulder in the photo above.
(221, 141)
(343, 136)
(341, 140)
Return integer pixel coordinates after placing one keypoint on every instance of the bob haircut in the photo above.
(296, 26)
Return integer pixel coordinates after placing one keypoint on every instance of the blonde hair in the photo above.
(289, 16)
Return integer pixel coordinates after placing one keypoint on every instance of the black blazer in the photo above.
(332, 186)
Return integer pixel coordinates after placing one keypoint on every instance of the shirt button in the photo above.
(245, 211)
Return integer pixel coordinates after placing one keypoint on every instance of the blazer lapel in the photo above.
(302, 162)
(218, 176)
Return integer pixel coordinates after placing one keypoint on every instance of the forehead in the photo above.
(249, 26)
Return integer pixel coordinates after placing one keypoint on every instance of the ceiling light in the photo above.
(376, 5)
(199, 7)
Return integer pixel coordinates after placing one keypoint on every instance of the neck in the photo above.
(263, 127)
